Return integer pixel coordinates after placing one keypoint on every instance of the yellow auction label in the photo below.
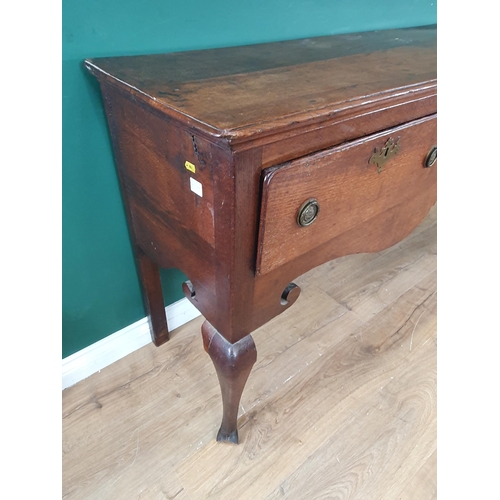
(190, 167)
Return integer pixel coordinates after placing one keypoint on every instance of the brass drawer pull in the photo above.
(308, 212)
(431, 157)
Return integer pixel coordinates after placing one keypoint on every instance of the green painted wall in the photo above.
(101, 293)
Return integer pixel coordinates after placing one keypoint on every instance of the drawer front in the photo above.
(351, 184)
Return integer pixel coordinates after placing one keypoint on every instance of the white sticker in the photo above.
(196, 187)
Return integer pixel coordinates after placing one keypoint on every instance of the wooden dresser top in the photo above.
(242, 92)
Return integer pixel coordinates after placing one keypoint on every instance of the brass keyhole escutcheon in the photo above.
(381, 157)
(308, 212)
(431, 157)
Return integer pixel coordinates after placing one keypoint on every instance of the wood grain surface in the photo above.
(241, 91)
(341, 403)
(349, 191)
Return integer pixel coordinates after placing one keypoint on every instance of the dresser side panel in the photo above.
(167, 182)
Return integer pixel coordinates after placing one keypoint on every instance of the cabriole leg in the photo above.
(233, 363)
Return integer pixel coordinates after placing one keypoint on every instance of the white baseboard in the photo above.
(97, 356)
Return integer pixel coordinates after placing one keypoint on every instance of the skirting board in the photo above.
(97, 356)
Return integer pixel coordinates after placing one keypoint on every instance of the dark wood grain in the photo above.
(217, 149)
(259, 89)
(149, 277)
(233, 363)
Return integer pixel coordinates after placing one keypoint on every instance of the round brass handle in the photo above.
(431, 157)
(308, 212)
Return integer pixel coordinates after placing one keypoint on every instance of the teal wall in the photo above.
(101, 293)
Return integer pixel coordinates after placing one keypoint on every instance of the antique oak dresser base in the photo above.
(245, 167)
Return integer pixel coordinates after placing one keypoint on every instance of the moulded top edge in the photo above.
(238, 92)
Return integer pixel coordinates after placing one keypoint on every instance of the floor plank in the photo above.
(341, 403)
(423, 484)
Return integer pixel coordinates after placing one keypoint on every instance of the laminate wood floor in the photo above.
(341, 403)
